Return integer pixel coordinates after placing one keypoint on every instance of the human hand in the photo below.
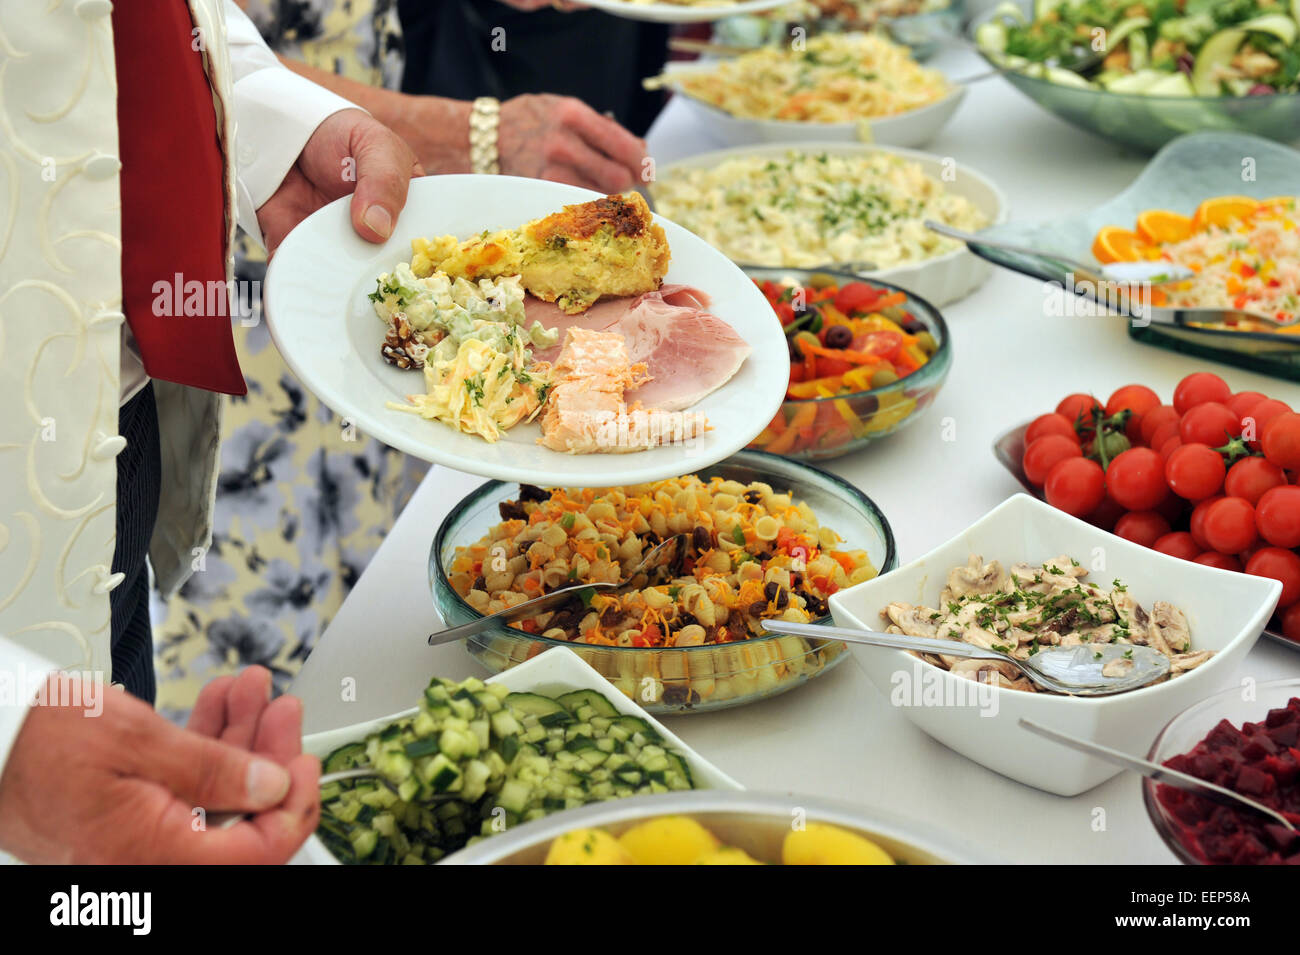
(124, 786)
(560, 138)
(350, 152)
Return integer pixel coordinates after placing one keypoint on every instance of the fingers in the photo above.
(606, 135)
(208, 718)
(279, 733)
(384, 167)
(270, 838)
(592, 169)
(206, 773)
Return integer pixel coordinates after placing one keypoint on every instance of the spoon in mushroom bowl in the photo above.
(1084, 670)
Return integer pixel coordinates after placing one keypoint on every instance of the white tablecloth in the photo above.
(838, 736)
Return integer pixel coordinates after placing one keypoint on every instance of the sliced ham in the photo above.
(687, 351)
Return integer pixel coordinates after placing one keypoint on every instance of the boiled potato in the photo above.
(821, 844)
(672, 840)
(587, 847)
(727, 856)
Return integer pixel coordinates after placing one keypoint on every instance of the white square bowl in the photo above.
(551, 673)
(1226, 612)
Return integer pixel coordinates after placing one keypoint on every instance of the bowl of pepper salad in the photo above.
(865, 359)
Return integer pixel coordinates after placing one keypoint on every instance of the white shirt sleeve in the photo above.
(22, 673)
(276, 111)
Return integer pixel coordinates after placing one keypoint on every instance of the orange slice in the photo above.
(1114, 244)
(1160, 225)
(1223, 211)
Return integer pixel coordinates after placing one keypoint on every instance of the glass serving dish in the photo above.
(1191, 726)
(1195, 167)
(869, 415)
(687, 679)
(1146, 123)
(924, 33)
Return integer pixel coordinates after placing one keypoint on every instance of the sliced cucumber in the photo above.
(503, 756)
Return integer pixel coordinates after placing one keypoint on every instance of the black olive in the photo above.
(685, 619)
(480, 583)
(512, 511)
(782, 599)
(770, 589)
(796, 580)
(758, 608)
(752, 497)
(839, 336)
(531, 492)
(703, 539)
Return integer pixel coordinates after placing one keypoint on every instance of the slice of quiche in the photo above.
(608, 247)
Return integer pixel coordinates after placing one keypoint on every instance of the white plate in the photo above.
(556, 671)
(326, 328)
(681, 13)
(941, 279)
(1226, 612)
(915, 127)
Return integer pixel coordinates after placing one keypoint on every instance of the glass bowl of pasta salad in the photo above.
(768, 538)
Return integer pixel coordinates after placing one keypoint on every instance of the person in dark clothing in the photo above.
(463, 49)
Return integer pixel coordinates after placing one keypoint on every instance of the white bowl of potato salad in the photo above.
(837, 205)
(768, 539)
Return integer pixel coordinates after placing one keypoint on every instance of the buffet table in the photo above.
(838, 737)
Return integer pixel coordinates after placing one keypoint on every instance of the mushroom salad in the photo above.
(1035, 606)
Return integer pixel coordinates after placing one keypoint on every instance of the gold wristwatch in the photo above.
(484, 120)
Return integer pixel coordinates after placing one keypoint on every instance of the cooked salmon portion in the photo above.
(607, 247)
(586, 412)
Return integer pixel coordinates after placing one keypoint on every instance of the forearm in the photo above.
(437, 129)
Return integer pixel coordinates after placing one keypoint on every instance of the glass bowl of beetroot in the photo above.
(1248, 742)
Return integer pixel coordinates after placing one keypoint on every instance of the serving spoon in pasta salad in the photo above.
(661, 556)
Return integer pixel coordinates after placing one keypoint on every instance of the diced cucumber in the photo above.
(345, 757)
(580, 700)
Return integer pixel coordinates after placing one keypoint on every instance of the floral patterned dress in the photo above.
(303, 500)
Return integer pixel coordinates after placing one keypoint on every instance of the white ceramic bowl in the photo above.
(1226, 612)
(915, 127)
(939, 280)
(556, 671)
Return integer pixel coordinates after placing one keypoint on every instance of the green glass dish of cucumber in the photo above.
(1142, 72)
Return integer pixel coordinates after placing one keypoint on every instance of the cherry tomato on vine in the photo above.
(1291, 623)
(1194, 471)
(1198, 388)
(1280, 440)
(1178, 544)
(1196, 524)
(1050, 423)
(1137, 400)
(1253, 424)
(1212, 558)
(1229, 525)
(1251, 477)
(1282, 565)
(1158, 418)
(1142, 527)
(1242, 402)
(1076, 486)
(1079, 407)
(1041, 456)
(1209, 423)
(1277, 516)
(1160, 437)
(1136, 479)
